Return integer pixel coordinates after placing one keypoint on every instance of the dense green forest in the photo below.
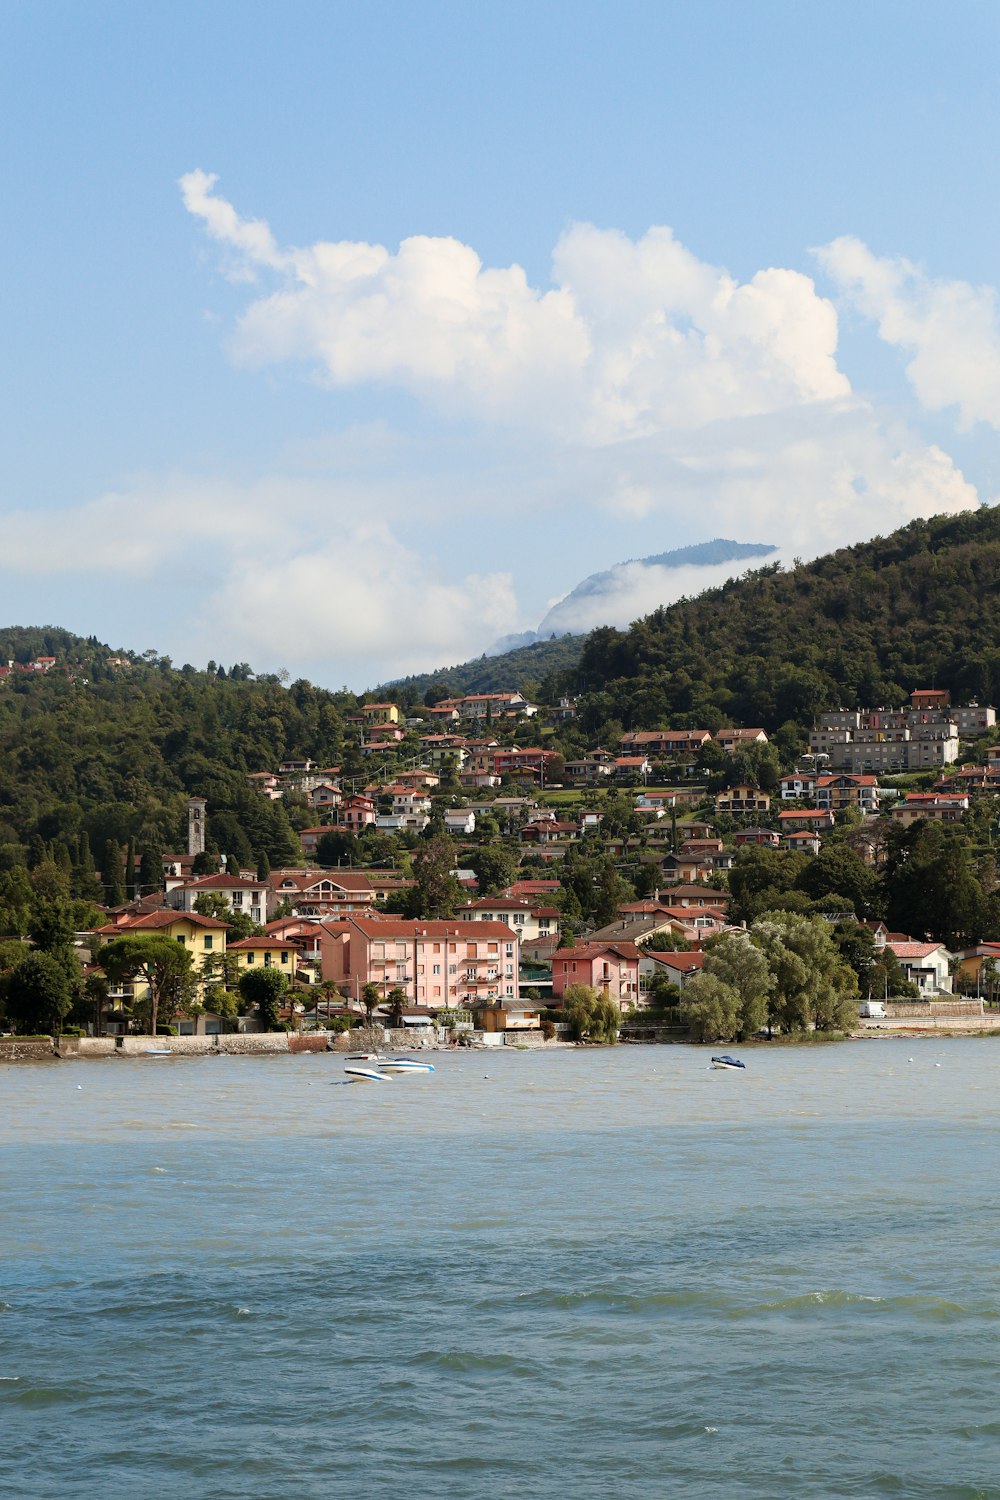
(525, 668)
(92, 752)
(864, 625)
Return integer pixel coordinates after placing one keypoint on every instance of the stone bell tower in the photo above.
(196, 825)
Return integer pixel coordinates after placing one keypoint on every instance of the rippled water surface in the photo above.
(577, 1273)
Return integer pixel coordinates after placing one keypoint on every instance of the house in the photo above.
(743, 801)
(927, 965)
(699, 896)
(736, 739)
(509, 1015)
(406, 799)
(528, 919)
(356, 812)
(530, 762)
(936, 807)
(269, 952)
(248, 897)
(766, 837)
(797, 785)
(655, 804)
(793, 820)
(528, 890)
(204, 938)
(420, 779)
(266, 782)
(632, 767)
(683, 745)
(835, 792)
(804, 840)
(322, 893)
(379, 714)
(612, 967)
(459, 820)
(324, 795)
(597, 766)
(440, 965)
(549, 831)
(679, 968)
(979, 965)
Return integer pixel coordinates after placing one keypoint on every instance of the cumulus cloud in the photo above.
(633, 337)
(280, 572)
(363, 598)
(950, 327)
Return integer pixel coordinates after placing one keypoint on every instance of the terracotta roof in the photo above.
(264, 942)
(384, 927)
(685, 963)
(154, 920)
(910, 949)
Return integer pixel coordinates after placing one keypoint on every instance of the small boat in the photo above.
(156, 1052)
(366, 1075)
(725, 1061)
(405, 1065)
(362, 1057)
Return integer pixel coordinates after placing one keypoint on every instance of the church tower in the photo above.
(196, 825)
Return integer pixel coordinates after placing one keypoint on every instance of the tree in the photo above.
(396, 1002)
(338, 846)
(112, 867)
(165, 966)
(264, 987)
(435, 893)
(710, 1009)
(591, 1014)
(370, 999)
(838, 870)
(37, 993)
(240, 924)
(495, 866)
(813, 985)
(739, 964)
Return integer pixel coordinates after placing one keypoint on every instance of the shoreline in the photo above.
(19, 1050)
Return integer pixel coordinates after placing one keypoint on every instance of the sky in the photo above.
(344, 339)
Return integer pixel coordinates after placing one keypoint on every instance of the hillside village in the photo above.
(473, 866)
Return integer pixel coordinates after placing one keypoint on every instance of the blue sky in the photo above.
(667, 272)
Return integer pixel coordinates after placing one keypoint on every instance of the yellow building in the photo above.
(204, 937)
(266, 953)
(379, 713)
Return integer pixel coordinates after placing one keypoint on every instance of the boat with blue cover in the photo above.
(725, 1062)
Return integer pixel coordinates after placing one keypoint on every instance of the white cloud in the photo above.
(951, 327)
(634, 337)
(363, 599)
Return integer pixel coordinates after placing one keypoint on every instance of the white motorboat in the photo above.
(362, 1057)
(727, 1063)
(405, 1065)
(361, 1074)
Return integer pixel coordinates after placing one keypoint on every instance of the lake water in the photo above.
(578, 1273)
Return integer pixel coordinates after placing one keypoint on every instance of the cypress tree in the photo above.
(111, 874)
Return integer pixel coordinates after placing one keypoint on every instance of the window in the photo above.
(181, 938)
(251, 958)
(207, 941)
(237, 898)
(267, 960)
(437, 969)
(284, 956)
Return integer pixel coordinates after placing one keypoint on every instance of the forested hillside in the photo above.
(93, 752)
(864, 625)
(526, 668)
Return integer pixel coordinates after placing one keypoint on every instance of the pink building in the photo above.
(439, 965)
(604, 966)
